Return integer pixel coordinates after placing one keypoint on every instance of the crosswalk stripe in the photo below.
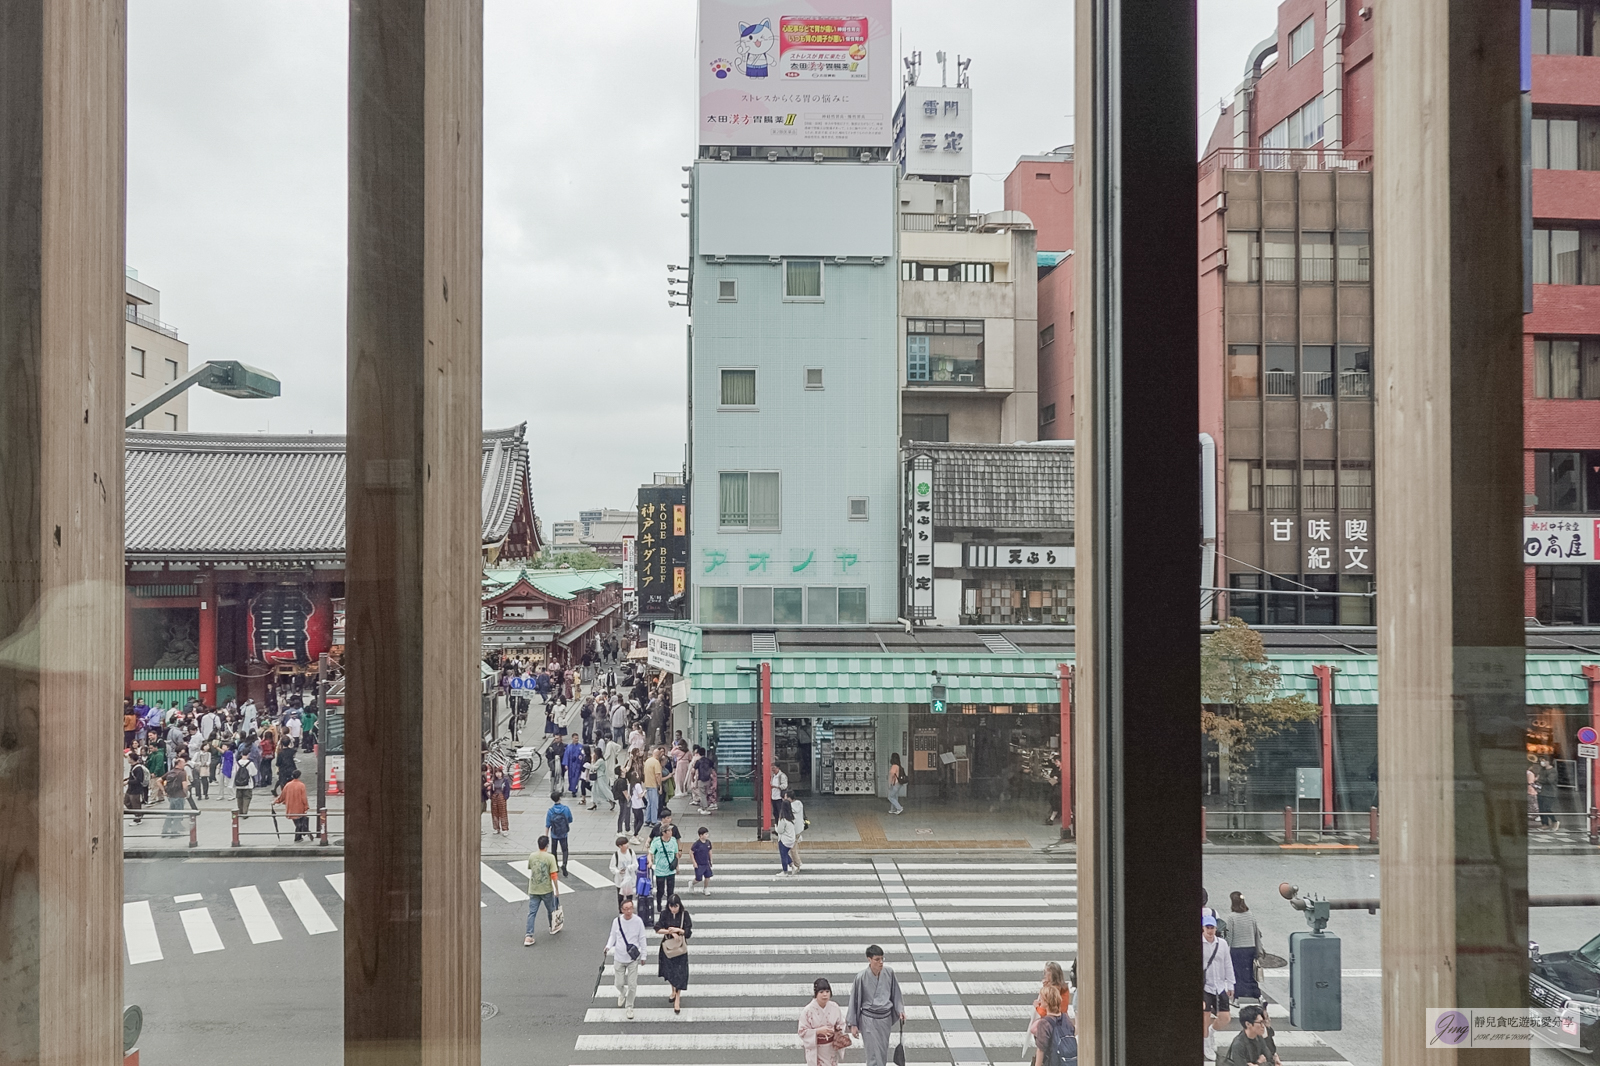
(861, 901)
(306, 907)
(864, 933)
(499, 885)
(188, 897)
(337, 881)
(949, 932)
(987, 873)
(779, 1011)
(799, 992)
(253, 909)
(754, 950)
(998, 988)
(139, 930)
(818, 918)
(986, 866)
(589, 877)
(201, 929)
(784, 1041)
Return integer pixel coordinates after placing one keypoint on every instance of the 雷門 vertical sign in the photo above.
(919, 536)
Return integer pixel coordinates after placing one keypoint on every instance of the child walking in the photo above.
(702, 861)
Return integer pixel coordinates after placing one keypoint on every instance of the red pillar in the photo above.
(1324, 676)
(763, 794)
(1067, 792)
(208, 637)
(1591, 674)
(127, 641)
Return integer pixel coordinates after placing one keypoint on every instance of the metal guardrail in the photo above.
(150, 323)
(1284, 159)
(320, 830)
(1294, 824)
(131, 819)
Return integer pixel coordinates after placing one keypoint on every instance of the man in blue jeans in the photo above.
(558, 822)
(543, 888)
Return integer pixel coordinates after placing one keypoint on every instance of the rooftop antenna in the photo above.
(944, 78)
(913, 64)
(963, 80)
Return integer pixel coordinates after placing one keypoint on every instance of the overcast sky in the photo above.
(236, 199)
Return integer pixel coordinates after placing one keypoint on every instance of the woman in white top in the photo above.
(624, 867)
(822, 1026)
(784, 830)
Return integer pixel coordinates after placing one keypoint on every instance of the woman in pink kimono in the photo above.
(822, 1028)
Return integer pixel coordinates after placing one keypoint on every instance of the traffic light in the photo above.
(936, 699)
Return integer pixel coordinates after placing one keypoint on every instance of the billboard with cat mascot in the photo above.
(796, 73)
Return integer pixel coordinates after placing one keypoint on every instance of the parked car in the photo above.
(1569, 981)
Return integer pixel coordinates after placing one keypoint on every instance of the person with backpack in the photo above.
(665, 842)
(558, 820)
(1055, 1041)
(544, 890)
(244, 776)
(1218, 979)
(624, 864)
(626, 947)
(138, 786)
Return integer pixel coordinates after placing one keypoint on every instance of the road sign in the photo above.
(1587, 735)
(1589, 751)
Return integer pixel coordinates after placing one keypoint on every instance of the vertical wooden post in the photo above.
(1137, 669)
(414, 554)
(62, 140)
(1448, 320)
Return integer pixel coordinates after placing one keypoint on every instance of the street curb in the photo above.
(245, 852)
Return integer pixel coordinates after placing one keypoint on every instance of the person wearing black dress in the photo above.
(674, 921)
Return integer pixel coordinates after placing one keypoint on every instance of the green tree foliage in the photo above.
(579, 560)
(1240, 699)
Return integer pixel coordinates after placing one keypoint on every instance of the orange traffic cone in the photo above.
(333, 781)
(516, 778)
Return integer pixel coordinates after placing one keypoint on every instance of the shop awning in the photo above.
(639, 653)
(568, 638)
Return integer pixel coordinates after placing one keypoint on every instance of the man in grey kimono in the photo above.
(876, 1003)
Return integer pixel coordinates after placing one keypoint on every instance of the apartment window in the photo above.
(1283, 610)
(1280, 370)
(1555, 144)
(1355, 255)
(1316, 370)
(1047, 336)
(749, 500)
(1316, 256)
(727, 290)
(1355, 610)
(1317, 488)
(756, 608)
(1244, 484)
(1244, 255)
(172, 422)
(1563, 29)
(1278, 263)
(172, 370)
(1319, 610)
(822, 605)
(139, 424)
(1301, 40)
(802, 279)
(932, 428)
(1355, 484)
(1566, 368)
(1282, 485)
(1355, 370)
(738, 388)
(787, 606)
(136, 362)
(944, 351)
(910, 271)
(1047, 414)
(852, 607)
(719, 604)
(813, 378)
(1566, 482)
(1244, 372)
(856, 509)
(1244, 603)
(1559, 595)
(1557, 257)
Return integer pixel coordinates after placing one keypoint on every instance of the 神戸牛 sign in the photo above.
(661, 554)
(795, 73)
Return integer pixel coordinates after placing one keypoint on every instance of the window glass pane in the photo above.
(1317, 486)
(1355, 255)
(1316, 376)
(1565, 268)
(822, 605)
(1559, 594)
(1591, 369)
(1320, 610)
(926, 427)
(1302, 40)
(1284, 610)
(1563, 150)
(1354, 611)
(734, 500)
(738, 388)
(1280, 370)
(1282, 480)
(916, 358)
(1280, 251)
(757, 605)
(1355, 485)
(719, 605)
(1311, 123)
(786, 608)
(1563, 33)
(802, 277)
(1564, 377)
(1541, 257)
(1541, 143)
(1245, 607)
(1244, 372)
(852, 607)
(1244, 482)
(765, 501)
(1541, 368)
(1316, 257)
(1244, 255)
(1565, 482)
(1355, 370)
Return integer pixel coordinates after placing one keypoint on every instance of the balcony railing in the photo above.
(929, 222)
(1281, 497)
(1315, 268)
(1355, 497)
(150, 323)
(1278, 268)
(1355, 269)
(1316, 383)
(1355, 383)
(1279, 382)
(1316, 497)
(1284, 159)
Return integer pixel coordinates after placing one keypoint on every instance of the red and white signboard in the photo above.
(1560, 539)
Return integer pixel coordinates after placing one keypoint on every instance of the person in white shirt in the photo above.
(1218, 962)
(208, 724)
(780, 782)
(627, 931)
(799, 817)
(295, 729)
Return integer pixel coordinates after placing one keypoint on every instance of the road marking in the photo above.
(998, 988)
(893, 951)
(784, 1041)
(590, 877)
(664, 1015)
(192, 897)
(201, 929)
(777, 990)
(139, 929)
(500, 886)
(306, 907)
(253, 909)
(866, 934)
(337, 881)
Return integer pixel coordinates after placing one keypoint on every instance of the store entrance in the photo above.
(791, 752)
(827, 756)
(988, 761)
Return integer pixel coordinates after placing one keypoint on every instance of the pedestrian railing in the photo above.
(135, 826)
(271, 823)
(1351, 827)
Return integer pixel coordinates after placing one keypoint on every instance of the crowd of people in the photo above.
(175, 755)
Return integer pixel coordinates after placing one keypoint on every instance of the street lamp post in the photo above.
(227, 376)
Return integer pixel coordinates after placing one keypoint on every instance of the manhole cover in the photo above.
(489, 1011)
